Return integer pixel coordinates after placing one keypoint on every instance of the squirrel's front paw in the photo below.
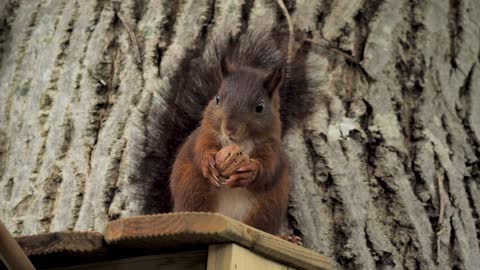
(245, 175)
(209, 170)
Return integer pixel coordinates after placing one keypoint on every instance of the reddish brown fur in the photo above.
(192, 191)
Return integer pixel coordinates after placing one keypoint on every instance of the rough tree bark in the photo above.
(386, 172)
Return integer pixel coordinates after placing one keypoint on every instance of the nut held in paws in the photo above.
(229, 159)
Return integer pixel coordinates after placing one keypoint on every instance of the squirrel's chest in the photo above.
(235, 202)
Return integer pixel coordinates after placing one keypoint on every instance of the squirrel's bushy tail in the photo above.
(169, 123)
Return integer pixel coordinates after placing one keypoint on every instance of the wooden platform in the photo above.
(170, 241)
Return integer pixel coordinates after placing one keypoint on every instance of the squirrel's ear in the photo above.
(226, 68)
(273, 80)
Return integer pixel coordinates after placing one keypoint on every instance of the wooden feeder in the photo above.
(174, 241)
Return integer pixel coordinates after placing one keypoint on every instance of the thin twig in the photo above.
(441, 194)
(291, 38)
(116, 8)
(328, 47)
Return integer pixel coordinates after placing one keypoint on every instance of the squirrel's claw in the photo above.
(292, 239)
(253, 166)
(208, 168)
(245, 175)
(213, 177)
(214, 174)
(240, 179)
(214, 182)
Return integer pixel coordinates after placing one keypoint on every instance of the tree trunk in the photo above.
(386, 172)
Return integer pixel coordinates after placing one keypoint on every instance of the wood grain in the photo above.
(183, 229)
(57, 242)
(235, 257)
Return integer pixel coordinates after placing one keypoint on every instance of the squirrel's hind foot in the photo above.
(292, 239)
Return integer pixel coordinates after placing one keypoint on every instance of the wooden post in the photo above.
(10, 252)
(234, 257)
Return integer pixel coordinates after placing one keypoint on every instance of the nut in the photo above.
(229, 159)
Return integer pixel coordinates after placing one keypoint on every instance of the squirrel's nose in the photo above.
(231, 130)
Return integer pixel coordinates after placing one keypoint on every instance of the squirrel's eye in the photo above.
(259, 107)
(217, 99)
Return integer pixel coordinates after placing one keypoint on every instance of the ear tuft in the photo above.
(273, 80)
(226, 67)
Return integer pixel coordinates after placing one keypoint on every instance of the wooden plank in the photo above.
(64, 248)
(57, 242)
(235, 257)
(184, 229)
(190, 260)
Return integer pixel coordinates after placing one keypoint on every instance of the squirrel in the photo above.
(245, 112)
(237, 92)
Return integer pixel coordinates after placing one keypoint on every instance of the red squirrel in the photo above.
(237, 91)
(245, 111)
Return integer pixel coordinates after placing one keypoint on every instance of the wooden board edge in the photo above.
(136, 227)
(274, 247)
(214, 225)
(57, 242)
